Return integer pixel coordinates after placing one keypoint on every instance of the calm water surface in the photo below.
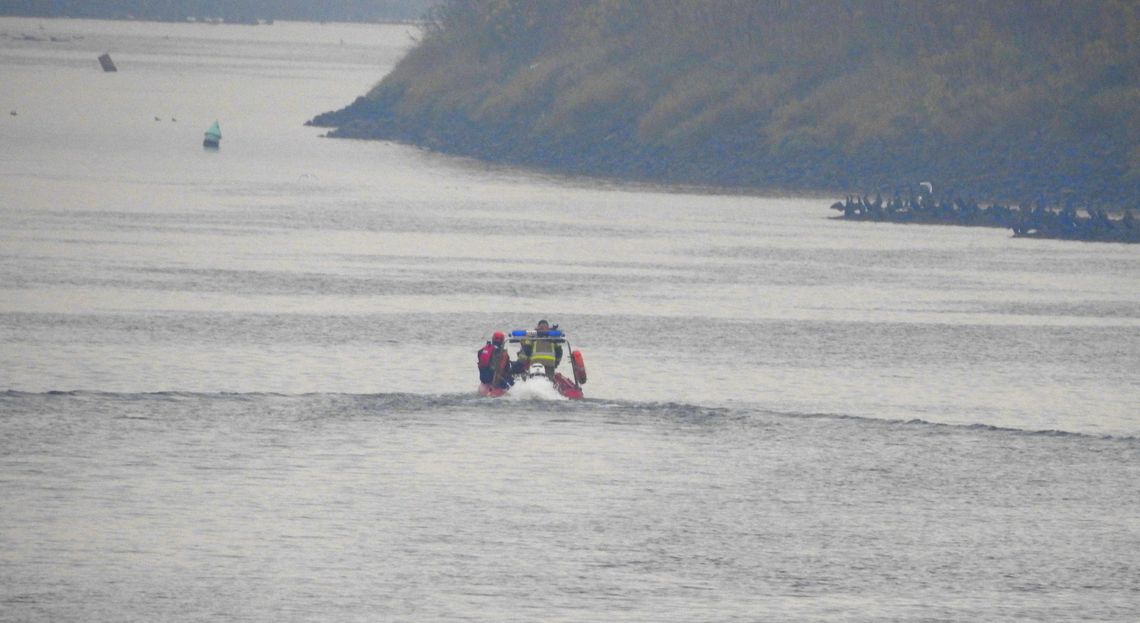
(240, 384)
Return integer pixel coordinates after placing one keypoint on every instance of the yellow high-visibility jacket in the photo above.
(541, 351)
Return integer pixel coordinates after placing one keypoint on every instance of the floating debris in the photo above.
(107, 63)
(213, 137)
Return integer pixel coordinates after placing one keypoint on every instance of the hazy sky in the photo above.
(342, 10)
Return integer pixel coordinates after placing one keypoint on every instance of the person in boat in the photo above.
(549, 354)
(494, 357)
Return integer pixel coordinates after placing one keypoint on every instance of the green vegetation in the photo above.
(1000, 99)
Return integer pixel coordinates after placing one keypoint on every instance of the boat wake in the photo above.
(536, 389)
(524, 398)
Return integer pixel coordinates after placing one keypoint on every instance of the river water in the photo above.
(240, 384)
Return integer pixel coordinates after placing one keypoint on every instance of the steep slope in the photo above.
(1007, 100)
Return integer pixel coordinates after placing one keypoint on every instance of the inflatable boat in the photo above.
(536, 376)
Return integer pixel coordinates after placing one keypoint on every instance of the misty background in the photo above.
(244, 11)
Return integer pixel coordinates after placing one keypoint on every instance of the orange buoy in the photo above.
(579, 366)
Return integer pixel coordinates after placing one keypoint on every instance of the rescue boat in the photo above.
(570, 388)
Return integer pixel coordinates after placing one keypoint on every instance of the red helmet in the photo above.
(498, 337)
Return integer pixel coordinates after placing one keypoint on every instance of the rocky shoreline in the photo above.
(371, 119)
(1027, 220)
(615, 153)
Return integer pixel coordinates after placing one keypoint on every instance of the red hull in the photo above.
(492, 392)
(565, 386)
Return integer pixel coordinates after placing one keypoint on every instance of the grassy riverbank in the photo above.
(1009, 100)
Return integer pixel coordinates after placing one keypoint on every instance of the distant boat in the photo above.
(213, 136)
(107, 64)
